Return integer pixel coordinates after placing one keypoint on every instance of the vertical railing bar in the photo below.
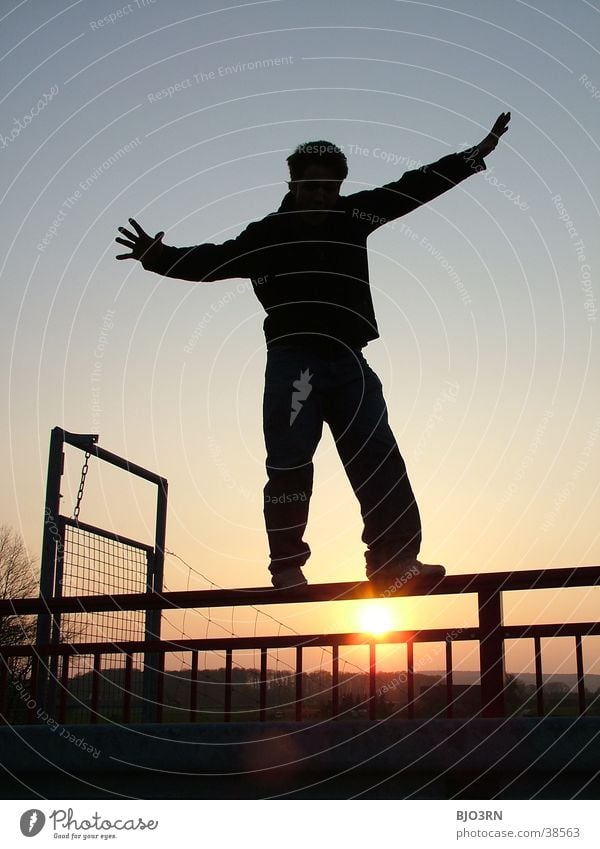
(580, 674)
(299, 678)
(410, 680)
(64, 687)
(95, 687)
(35, 665)
(3, 688)
(335, 680)
(449, 681)
(539, 677)
(228, 670)
(263, 685)
(194, 686)
(491, 652)
(372, 681)
(150, 660)
(127, 688)
(160, 686)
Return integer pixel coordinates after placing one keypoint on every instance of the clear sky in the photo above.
(487, 298)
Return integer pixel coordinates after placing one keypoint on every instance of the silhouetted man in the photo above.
(308, 267)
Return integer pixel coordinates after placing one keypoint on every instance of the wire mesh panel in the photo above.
(95, 562)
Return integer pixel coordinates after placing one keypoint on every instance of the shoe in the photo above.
(396, 575)
(288, 578)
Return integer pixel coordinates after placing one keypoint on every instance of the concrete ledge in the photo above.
(388, 759)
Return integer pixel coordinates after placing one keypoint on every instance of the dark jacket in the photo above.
(314, 284)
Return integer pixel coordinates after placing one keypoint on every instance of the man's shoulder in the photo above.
(264, 226)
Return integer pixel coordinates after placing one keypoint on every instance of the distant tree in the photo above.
(516, 695)
(253, 678)
(383, 707)
(347, 703)
(18, 579)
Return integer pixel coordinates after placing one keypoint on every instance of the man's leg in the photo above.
(293, 425)
(357, 415)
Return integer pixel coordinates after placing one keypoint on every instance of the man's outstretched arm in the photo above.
(239, 257)
(414, 188)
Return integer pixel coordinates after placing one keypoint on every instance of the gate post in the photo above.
(51, 541)
(154, 662)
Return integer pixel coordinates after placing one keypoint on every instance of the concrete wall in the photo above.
(477, 758)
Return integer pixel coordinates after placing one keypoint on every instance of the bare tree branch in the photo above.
(18, 579)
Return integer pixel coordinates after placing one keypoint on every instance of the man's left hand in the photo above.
(491, 140)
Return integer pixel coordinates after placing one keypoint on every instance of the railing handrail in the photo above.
(430, 635)
(559, 578)
(239, 642)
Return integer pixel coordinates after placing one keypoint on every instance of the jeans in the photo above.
(303, 388)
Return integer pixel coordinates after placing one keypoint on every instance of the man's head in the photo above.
(317, 170)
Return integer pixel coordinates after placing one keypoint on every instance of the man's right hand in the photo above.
(143, 247)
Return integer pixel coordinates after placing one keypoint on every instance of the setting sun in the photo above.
(375, 618)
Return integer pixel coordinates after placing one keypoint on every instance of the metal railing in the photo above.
(491, 634)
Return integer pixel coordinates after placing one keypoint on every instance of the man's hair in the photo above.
(317, 153)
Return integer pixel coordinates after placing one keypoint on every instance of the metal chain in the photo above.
(84, 472)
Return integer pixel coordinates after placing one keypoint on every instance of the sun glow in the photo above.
(375, 618)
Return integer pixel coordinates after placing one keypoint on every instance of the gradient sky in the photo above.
(490, 375)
